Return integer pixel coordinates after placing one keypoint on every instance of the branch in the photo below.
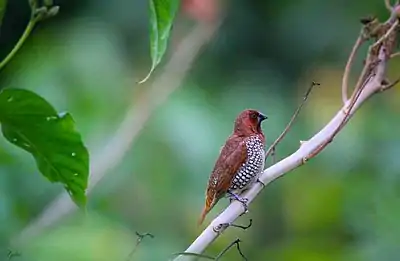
(220, 255)
(135, 119)
(370, 83)
(388, 5)
(349, 64)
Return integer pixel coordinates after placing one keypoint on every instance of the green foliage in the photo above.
(162, 14)
(3, 4)
(31, 123)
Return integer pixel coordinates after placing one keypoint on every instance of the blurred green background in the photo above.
(342, 205)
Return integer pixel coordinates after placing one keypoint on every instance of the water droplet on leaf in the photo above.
(73, 154)
(10, 99)
(49, 118)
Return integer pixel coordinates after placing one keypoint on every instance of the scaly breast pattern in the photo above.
(252, 167)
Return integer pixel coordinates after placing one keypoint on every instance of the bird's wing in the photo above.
(231, 158)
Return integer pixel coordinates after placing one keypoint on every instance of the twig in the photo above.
(237, 243)
(273, 155)
(390, 85)
(388, 5)
(243, 227)
(138, 241)
(135, 119)
(11, 254)
(349, 64)
(367, 72)
(223, 226)
(292, 120)
(394, 55)
(37, 14)
(389, 32)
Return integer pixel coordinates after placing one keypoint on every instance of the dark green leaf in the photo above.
(3, 4)
(30, 122)
(162, 14)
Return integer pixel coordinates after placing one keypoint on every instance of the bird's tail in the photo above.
(207, 207)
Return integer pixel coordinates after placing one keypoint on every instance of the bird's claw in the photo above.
(241, 200)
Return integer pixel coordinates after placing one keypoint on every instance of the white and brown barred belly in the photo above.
(252, 167)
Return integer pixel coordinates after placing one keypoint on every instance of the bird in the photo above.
(240, 161)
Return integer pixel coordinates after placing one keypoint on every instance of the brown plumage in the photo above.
(240, 162)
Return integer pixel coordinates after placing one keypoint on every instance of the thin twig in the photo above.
(237, 243)
(349, 64)
(11, 254)
(223, 226)
(391, 85)
(292, 120)
(364, 72)
(386, 35)
(388, 5)
(243, 227)
(139, 239)
(273, 155)
(367, 72)
(394, 55)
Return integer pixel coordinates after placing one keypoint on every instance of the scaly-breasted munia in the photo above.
(240, 162)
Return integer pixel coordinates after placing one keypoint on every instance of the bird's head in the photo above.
(248, 122)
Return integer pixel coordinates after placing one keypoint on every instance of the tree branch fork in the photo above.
(372, 80)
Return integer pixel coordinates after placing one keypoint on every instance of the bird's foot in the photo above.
(244, 201)
(262, 183)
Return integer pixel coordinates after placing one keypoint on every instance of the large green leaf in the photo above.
(162, 14)
(3, 4)
(31, 123)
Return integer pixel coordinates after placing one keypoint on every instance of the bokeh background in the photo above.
(342, 205)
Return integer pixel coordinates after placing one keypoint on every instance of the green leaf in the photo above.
(3, 4)
(31, 123)
(162, 14)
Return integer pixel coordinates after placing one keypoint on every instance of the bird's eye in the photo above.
(254, 116)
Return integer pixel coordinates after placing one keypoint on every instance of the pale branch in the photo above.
(379, 73)
(194, 255)
(236, 243)
(136, 117)
(349, 64)
(395, 55)
(370, 83)
(272, 148)
(388, 5)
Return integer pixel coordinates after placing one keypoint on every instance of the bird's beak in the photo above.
(261, 117)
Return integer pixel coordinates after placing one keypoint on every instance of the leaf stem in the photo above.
(20, 42)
